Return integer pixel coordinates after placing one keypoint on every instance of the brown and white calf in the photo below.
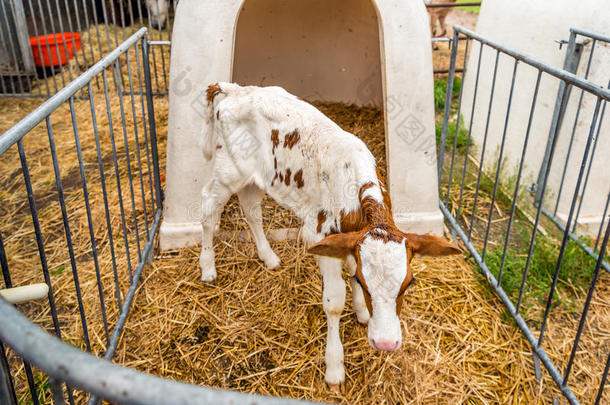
(265, 140)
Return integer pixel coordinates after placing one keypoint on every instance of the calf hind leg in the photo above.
(214, 197)
(250, 199)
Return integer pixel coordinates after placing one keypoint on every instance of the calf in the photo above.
(438, 14)
(265, 140)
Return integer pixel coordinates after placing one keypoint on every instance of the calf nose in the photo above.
(385, 344)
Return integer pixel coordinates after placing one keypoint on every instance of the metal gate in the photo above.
(499, 220)
(45, 44)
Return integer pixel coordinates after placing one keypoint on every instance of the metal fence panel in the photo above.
(500, 222)
(31, 29)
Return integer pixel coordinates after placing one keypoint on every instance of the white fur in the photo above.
(335, 166)
(384, 267)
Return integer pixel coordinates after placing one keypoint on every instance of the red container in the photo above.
(55, 49)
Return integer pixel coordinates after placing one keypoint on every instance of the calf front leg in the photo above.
(358, 302)
(214, 196)
(333, 300)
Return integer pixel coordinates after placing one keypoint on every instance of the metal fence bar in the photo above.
(151, 122)
(38, 233)
(590, 34)
(104, 193)
(15, 133)
(578, 108)
(137, 141)
(574, 237)
(129, 176)
(37, 34)
(539, 351)
(449, 90)
(7, 385)
(457, 124)
(68, 233)
(143, 109)
(499, 166)
(603, 382)
(513, 207)
(601, 225)
(585, 311)
(50, 14)
(561, 74)
(8, 284)
(12, 55)
(584, 186)
(63, 36)
(568, 223)
(483, 148)
(117, 174)
(469, 139)
(81, 166)
(112, 382)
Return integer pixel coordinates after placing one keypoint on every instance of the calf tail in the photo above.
(209, 136)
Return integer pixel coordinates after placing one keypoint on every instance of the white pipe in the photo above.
(25, 293)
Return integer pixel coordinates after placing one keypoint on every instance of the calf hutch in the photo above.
(332, 51)
(102, 298)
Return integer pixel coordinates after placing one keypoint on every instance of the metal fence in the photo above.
(580, 42)
(45, 44)
(500, 222)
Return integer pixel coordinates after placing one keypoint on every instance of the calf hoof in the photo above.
(335, 377)
(208, 270)
(336, 388)
(271, 260)
(208, 276)
(363, 318)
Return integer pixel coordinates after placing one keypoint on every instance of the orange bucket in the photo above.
(47, 48)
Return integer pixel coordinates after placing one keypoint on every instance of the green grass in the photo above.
(462, 137)
(575, 273)
(43, 389)
(474, 9)
(440, 93)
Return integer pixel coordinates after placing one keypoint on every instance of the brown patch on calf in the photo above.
(298, 178)
(352, 221)
(292, 139)
(275, 139)
(275, 163)
(287, 177)
(218, 147)
(274, 178)
(321, 220)
(281, 178)
(218, 114)
(212, 91)
(407, 281)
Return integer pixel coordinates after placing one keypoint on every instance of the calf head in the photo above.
(383, 255)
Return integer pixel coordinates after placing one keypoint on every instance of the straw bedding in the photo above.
(263, 331)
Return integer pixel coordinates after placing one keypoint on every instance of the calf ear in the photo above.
(431, 245)
(338, 245)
